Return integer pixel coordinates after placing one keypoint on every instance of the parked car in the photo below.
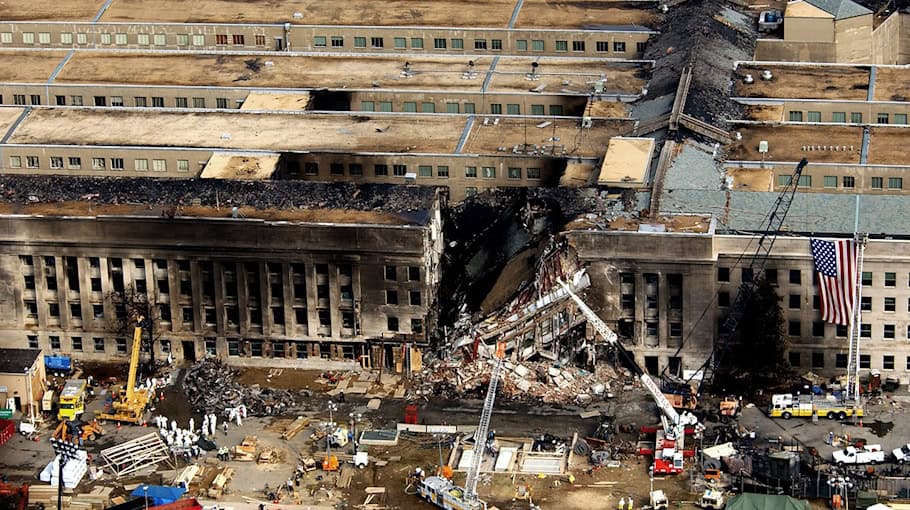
(902, 454)
(871, 454)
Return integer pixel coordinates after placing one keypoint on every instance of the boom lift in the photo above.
(441, 491)
(129, 404)
(669, 447)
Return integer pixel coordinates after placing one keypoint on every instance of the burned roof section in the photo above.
(710, 35)
(406, 204)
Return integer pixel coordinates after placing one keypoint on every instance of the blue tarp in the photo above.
(159, 494)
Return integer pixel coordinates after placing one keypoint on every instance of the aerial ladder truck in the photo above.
(670, 441)
(441, 491)
(129, 404)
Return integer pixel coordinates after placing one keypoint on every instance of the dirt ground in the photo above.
(785, 143)
(804, 82)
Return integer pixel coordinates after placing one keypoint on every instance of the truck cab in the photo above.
(871, 454)
(72, 400)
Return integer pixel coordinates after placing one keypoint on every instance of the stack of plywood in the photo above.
(98, 499)
(47, 495)
(295, 428)
(246, 450)
(220, 481)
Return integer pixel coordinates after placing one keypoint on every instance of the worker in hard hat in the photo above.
(629, 504)
(622, 504)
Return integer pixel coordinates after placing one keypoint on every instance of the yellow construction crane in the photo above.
(128, 404)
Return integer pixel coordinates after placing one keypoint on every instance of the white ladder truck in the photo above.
(670, 441)
(441, 491)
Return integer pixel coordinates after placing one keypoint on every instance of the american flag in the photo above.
(835, 263)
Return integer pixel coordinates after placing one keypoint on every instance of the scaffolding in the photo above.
(137, 454)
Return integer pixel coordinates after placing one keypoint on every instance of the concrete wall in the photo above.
(699, 259)
(891, 40)
(251, 37)
(783, 50)
(809, 30)
(869, 111)
(17, 385)
(853, 40)
(202, 273)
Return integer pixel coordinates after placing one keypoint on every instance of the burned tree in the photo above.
(756, 356)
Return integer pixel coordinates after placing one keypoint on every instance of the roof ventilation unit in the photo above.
(766, 75)
(748, 78)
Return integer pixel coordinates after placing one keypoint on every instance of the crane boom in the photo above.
(134, 360)
(483, 428)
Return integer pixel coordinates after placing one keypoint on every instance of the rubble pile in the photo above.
(526, 381)
(210, 388)
(23, 189)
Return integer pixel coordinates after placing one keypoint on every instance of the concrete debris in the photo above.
(543, 381)
(210, 387)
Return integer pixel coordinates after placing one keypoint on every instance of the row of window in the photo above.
(382, 170)
(889, 331)
(855, 117)
(417, 43)
(889, 278)
(817, 360)
(75, 163)
(76, 343)
(846, 182)
(124, 39)
(138, 101)
(430, 107)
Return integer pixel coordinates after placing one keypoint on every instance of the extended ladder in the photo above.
(852, 386)
(483, 428)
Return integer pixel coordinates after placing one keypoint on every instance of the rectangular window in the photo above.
(470, 191)
(399, 170)
(793, 358)
(818, 328)
(367, 106)
(117, 101)
(495, 108)
(198, 40)
(140, 102)
(18, 98)
(159, 165)
(578, 46)
(439, 44)
(198, 102)
(76, 100)
(15, 161)
(380, 170)
(183, 165)
(723, 298)
(56, 162)
(480, 44)
(427, 107)
(116, 163)
(555, 109)
(416, 43)
(360, 42)
(336, 169)
(160, 39)
(260, 40)
(796, 116)
(640, 47)
(496, 44)
(830, 181)
(469, 108)
(619, 47)
(391, 297)
(221, 39)
(337, 41)
(6, 38)
(890, 279)
(310, 168)
(888, 332)
(895, 182)
(888, 362)
(142, 39)
(181, 102)
(856, 117)
(866, 303)
(121, 345)
(36, 99)
(794, 301)
(66, 38)
(377, 42)
(105, 38)
(320, 41)
(840, 360)
(157, 102)
(442, 171)
(74, 163)
(521, 45)
(900, 118)
(409, 107)
(877, 182)
(890, 304)
(183, 40)
(221, 102)
(400, 42)
(470, 171)
(44, 37)
(839, 117)
(794, 328)
(602, 46)
(805, 181)
(723, 274)
(848, 181)
(141, 165)
(881, 118)
(392, 323)
(867, 278)
(457, 44)
(452, 108)
(98, 163)
(514, 173)
(562, 46)
(425, 171)
(865, 330)
(814, 116)
(513, 109)
(865, 361)
(488, 172)
(533, 173)
(355, 169)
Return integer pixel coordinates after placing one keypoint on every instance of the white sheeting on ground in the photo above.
(73, 471)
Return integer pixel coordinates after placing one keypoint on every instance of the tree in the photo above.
(756, 356)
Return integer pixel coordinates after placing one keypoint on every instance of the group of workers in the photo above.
(626, 504)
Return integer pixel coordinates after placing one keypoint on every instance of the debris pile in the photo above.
(527, 381)
(210, 388)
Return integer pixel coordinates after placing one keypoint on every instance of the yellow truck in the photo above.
(788, 405)
(72, 400)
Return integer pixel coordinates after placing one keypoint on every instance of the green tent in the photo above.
(766, 502)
